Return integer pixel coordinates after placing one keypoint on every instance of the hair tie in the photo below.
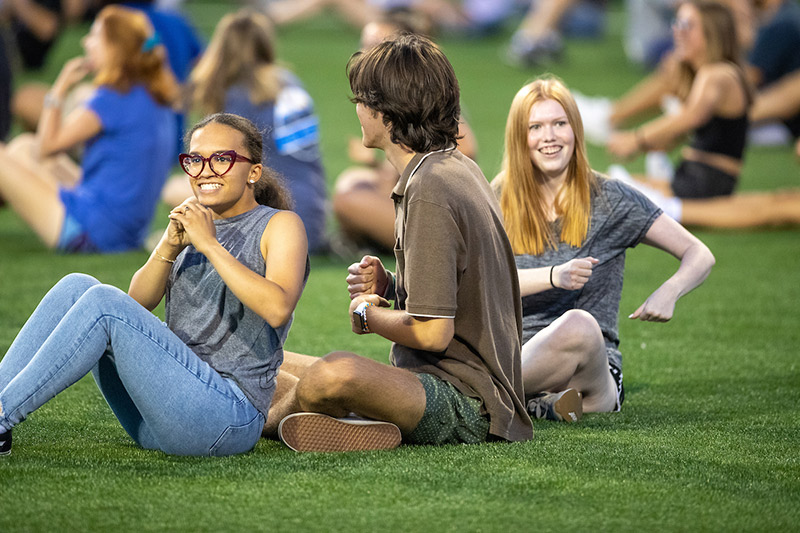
(151, 42)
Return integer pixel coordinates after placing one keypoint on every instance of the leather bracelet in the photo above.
(551, 277)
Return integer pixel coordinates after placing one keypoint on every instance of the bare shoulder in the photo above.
(722, 73)
(283, 227)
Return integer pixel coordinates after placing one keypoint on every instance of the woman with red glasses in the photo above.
(232, 265)
(128, 133)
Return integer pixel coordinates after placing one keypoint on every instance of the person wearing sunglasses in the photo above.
(128, 132)
(232, 265)
(716, 99)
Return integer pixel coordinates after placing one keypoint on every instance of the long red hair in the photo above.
(521, 200)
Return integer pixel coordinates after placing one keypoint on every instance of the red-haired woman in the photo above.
(128, 129)
(569, 228)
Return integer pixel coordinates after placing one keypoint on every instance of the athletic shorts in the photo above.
(616, 375)
(698, 180)
(450, 417)
(73, 238)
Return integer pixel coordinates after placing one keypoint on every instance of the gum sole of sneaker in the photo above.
(314, 432)
(570, 406)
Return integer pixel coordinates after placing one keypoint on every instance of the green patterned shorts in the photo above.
(450, 417)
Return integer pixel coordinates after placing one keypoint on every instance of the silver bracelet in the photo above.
(51, 100)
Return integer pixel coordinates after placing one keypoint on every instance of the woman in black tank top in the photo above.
(716, 99)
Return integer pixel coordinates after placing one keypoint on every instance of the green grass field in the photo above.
(707, 440)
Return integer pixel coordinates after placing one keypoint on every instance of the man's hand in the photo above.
(368, 276)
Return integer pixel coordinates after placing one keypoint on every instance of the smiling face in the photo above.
(231, 194)
(551, 140)
(687, 31)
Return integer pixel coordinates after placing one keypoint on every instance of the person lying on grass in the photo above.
(455, 376)
(232, 264)
(570, 228)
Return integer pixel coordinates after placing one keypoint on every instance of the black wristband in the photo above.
(551, 277)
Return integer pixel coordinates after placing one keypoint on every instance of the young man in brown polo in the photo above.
(455, 375)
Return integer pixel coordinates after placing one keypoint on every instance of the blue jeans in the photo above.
(164, 396)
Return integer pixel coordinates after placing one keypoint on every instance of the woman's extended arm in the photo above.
(696, 262)
(710, 86)
(80, 125)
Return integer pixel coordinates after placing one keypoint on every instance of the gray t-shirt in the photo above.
(621, 217)
(215, 324)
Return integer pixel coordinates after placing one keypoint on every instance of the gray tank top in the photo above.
(214, 324)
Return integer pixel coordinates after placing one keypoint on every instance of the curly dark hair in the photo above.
(410, 81)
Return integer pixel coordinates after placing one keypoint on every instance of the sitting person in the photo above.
(716, 99)
(238, 74)
(232, 264)
(570, 229)
(107, 203)
(179, 38)
(362, 197)
(715, 111)
(455, 359)
(656, 92)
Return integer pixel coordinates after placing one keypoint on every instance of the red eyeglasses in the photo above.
(219, 163)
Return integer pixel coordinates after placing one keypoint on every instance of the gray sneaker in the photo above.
(565, 405)
(315, 432)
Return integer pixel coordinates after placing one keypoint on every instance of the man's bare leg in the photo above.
(342, 383)
(284, 401)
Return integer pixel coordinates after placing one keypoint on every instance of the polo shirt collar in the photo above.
(400, 188)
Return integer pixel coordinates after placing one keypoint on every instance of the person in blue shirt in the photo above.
(129, 132)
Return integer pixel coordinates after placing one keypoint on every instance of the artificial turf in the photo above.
(707, 438)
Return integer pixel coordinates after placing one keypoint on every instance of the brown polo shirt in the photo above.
(454, 261)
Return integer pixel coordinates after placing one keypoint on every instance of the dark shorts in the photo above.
(698, 180)
(450, 417)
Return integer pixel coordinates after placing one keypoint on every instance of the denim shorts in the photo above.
(450, 417)
(73, 238)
